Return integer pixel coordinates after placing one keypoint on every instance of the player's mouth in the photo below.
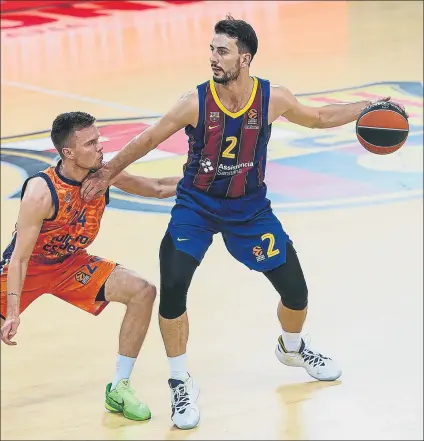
(216, 70)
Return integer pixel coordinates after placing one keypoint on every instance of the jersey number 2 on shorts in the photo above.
(271, 252)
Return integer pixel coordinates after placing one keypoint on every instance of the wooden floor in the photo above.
(356, 220)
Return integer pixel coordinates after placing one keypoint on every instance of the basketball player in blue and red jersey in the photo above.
(48, 251)
(228, 123)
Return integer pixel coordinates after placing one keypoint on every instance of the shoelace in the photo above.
(313, 358)
(180, 398)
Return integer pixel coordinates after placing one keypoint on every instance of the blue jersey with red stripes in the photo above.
(227, 151)
(223, 189)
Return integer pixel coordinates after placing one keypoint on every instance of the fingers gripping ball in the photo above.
(382, 128)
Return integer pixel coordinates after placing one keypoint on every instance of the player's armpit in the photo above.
(284, 103)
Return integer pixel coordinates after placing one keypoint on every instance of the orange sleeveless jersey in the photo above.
(59, 263)
(73, 226)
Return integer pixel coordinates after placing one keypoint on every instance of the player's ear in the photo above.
(245, 60)
(67, 153)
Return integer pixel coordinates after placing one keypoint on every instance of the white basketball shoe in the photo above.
(316, 365)
(184, 394)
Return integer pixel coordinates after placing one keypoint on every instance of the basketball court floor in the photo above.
(356, 220)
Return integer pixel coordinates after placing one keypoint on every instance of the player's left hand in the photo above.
(9, 330)
(95, 184)
(388, 98)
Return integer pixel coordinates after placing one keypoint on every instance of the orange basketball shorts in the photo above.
(79, 280)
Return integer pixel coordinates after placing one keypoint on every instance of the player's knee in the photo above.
(296, 300)
(143, 294)
(291, 287)
(289, 281)
(173, 296)
(177, 269)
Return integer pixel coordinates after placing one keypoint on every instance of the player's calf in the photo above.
(291, 350)
(177, 269)
(138, 295)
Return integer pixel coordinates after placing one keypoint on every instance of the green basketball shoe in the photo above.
(122, 400)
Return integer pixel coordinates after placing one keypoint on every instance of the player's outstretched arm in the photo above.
(159, 188)
(183, 113)
(36, 205)
(284, 103)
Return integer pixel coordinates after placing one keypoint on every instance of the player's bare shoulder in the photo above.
(190, 98)
(280, 101)
(37, 198)
(188, 106)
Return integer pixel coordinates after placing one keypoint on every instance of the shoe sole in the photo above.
(126, 415)
(188, 427)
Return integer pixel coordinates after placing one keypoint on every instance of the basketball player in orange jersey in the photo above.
(48, 251)
(228, 123)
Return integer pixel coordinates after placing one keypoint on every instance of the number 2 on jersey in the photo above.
(271, 251)
(227, 152)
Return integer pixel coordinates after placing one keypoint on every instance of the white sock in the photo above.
(178, 366)
(124, 367)
(291, 340)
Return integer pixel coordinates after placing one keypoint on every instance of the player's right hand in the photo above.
(389, 98)
(95, 185)
(9, 330)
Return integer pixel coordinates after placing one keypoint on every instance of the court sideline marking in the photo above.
(74, 96)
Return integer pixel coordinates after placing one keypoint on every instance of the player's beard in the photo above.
(228, 76)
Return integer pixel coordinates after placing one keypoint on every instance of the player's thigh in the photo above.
(126, 286)
(81, 282)
(35, 285)
(190, 232)
(260, 244)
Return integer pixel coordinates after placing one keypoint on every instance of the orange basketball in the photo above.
(382, 128)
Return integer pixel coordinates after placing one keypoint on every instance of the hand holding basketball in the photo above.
(389, 98)
(382, 127)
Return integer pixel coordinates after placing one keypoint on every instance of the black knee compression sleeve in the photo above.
(289, 281)
(176, 271)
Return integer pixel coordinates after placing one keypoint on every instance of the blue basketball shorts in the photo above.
(259, 242)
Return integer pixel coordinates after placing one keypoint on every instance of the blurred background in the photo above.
(355, 217)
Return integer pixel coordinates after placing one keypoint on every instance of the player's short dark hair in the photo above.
(66, 124)
(247, 41)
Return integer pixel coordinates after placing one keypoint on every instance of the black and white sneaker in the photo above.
(184, 394)
(316, 365)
